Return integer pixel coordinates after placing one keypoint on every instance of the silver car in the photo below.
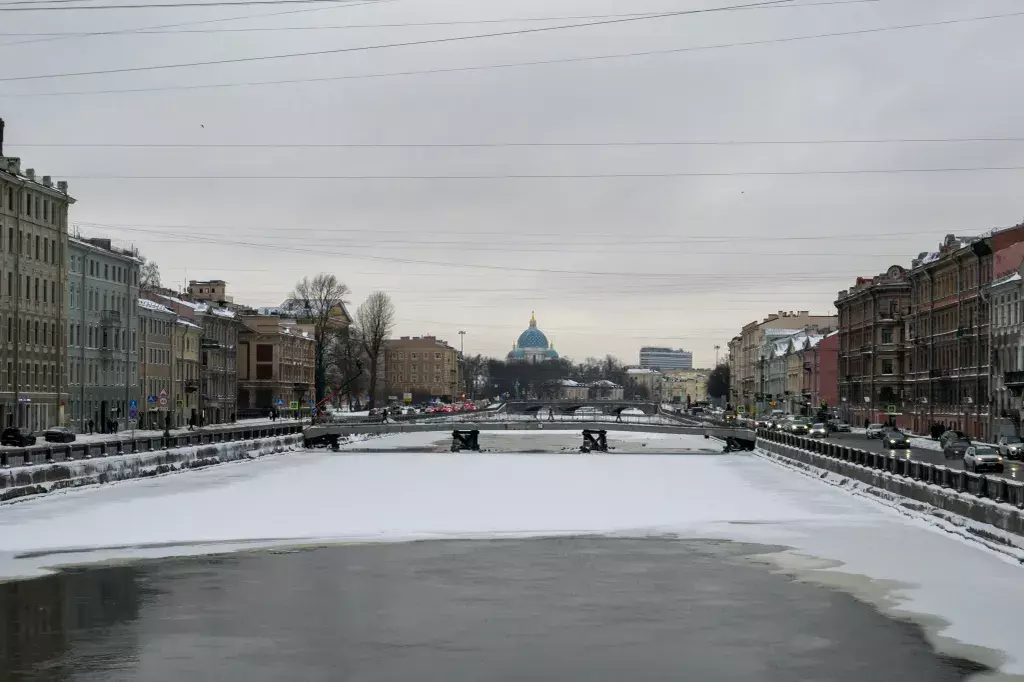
(1010, 447)
(818, 431)
(979, 458)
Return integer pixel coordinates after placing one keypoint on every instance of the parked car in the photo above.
(875, 430)
(59, 434)
(18, 436)
(955, 449)
(818, 431)
(980, 458)
(894, 439)
(762, 424)
(1010, 447)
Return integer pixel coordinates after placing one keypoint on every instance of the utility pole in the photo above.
(462, 358)
(716, 354)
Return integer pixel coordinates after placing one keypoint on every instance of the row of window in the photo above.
(400, 355)
(92, 299)
(36, 205)
(33, 331)
(157, 356)
(93, 373)
(99, 337)
(33, 377)
(111, 273)
(33, 288)
(414, 379)
(45, 249)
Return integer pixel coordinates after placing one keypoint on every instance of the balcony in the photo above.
(1013, 379)
(110, 318)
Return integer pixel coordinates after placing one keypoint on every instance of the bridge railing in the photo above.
(53, 453)
(996, 488)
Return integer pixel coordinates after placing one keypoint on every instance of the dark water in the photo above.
(561, 610)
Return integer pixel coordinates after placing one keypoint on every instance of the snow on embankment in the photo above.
(36, 480)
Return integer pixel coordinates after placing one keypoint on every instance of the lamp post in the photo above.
(462, 358)
(716, 354)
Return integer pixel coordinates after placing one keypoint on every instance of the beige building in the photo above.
(685, 383)
(422, 366)
(746, 362)
(276, 362)
(187, 340)
(33, 296)
(643, 383)
(156, 359)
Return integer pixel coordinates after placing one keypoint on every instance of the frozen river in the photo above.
(645, 516)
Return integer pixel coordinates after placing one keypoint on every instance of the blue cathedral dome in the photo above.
(532, 345)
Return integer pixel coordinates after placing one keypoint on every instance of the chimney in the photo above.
(1, 137)
(62, 186)
(47, 181)
(30, 173)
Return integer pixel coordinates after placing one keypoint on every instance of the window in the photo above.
(28, 287)
(44, 291)
(412, 356)
(106, 271)
(46, 250)
(887, 367)
(37, 248)
(886, 336)
(44, 333)
(36, 334)
(53, 292)
(37, 289)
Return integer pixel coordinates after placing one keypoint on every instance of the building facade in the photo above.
(103, 320)
(187, 341)
(873, 362)
(745, 353)
(156, 364)
(689, 386)
(950, 349)
(821, 373)
(422, 366)
(276, 365)
(665, 359)
(642, 383)
(33, 305)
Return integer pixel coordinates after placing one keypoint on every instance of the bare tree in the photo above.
(375, 320)
(317, 301)
(149, 275)
(344, 360)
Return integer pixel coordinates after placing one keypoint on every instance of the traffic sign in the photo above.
(891, 409)
(179, 402)
(279, 401)
(162, 393)
(293, 405)
(151, 399)
(163, 401)
(133, 413)
(133, 404)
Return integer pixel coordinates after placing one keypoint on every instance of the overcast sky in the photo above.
(609, 264)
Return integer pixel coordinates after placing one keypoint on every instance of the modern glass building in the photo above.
(665, 359)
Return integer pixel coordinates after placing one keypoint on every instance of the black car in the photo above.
(17, 436)
(59, 434)
(893, 439)
(956, 448)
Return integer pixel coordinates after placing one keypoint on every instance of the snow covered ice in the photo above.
(900, 562)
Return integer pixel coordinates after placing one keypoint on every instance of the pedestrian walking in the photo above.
(92, 425)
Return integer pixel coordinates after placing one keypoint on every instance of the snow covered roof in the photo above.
(570, 382)
(185, 323)
(604, 383)
(153, 306)
(1006, 279)
(198, 307)
(642, 370)
(222, 312)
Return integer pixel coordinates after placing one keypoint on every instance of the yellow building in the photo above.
(685, 382)
(187, 338)
(276, 363)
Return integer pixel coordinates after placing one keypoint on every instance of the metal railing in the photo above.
(995, 488)
(54, 453)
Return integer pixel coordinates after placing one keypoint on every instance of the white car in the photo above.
(875, 430)
(979, 458)
(818, 431)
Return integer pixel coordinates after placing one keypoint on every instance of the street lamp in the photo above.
(462, 357)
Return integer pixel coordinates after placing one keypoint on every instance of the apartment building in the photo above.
(218, 354)
(276, 366)
(950, 349)
(423, 367)
(644, 383)
(33, 307)
(102, 343)
(689, 385)
(156, 362)
(747, 362)
(821, 371)
(186, 365)
(873, 362)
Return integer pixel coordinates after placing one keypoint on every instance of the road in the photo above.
(1013, 470)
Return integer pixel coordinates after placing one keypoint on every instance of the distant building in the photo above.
(687, 384)
(276, 363)
(156, 334)
(422, 366)
(665, 359)
(643, 383)
(187, 341)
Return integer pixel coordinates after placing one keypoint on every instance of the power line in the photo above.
(411, 24)
(127, 31)
(509, 65)
(490, 145)
(363, 48)
(566, 176)
(7, 7)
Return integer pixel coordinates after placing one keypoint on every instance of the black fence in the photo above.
(51, 453)
(995, 488)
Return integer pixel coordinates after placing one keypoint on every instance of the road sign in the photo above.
(162, 393)
(890, 409)
(279, 401)
(163, 401)
(133, 404)
(179, 402)
(133, 413)
(151, 399)
(293, 405)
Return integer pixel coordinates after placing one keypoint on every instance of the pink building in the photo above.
(821, 372)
